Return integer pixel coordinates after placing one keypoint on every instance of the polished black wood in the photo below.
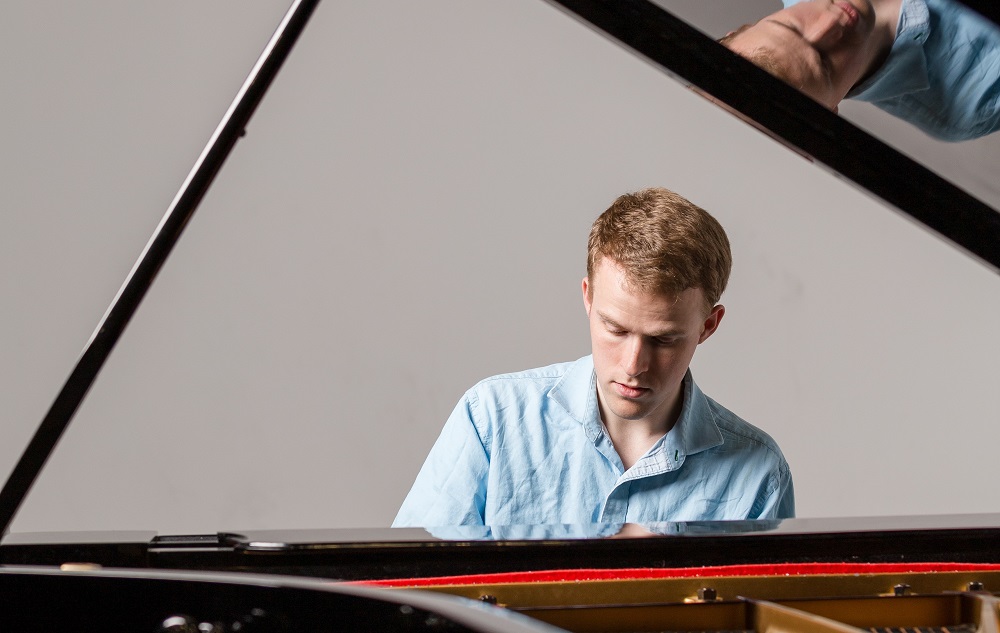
(155, 602)
(411, 553)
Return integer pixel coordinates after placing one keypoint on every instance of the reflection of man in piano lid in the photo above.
(623, 435)
(933, 63)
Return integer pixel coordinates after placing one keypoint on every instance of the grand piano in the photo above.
(933, 572)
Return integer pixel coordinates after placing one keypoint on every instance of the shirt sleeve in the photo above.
(779, 503)
(450, 488)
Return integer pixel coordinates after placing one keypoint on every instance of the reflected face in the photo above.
(821, 47)
(642, 344)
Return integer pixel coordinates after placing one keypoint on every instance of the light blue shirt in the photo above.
(530, 449)
(942, 73)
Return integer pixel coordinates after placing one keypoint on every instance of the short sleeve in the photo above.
(450, 488)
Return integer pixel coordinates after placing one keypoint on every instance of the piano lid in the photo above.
(421, 186)
(805, 125)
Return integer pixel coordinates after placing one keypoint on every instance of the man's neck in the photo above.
(887, 15)
(633, 438)
(884, 34)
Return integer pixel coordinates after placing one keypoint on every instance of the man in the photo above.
(624, 435)
(933, 63)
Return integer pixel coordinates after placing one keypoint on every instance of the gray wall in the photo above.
(407, 215)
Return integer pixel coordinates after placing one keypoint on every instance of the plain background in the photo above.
(407, 215)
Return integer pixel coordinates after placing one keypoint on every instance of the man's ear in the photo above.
(586, 295)
(711, 323)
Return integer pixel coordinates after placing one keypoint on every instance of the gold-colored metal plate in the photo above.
(669, 590)
(829, 603)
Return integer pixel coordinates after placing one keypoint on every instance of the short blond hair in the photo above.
(664, 243)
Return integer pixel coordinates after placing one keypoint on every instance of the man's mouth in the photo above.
(849, 11)
(629, 392)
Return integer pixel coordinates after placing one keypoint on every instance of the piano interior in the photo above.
(788, 599)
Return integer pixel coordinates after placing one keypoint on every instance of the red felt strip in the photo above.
(781, 569)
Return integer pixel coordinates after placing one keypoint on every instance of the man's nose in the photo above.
(636, 356)
(825, 30)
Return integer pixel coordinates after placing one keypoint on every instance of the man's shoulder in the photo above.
(532, 399)
(534, 394)
(538, 379)
(736, 430)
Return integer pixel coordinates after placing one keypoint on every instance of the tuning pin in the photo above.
(179, 624)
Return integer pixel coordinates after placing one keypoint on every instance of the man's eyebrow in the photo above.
(618, 326)
(672, 332)
(609, 321)
(787, 26)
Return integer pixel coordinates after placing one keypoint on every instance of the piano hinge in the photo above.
(195, 542)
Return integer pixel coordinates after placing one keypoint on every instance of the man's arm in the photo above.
(779, 502)
(451, 486)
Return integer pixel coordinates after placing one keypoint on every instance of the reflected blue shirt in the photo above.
(942, 73)
(530, 449)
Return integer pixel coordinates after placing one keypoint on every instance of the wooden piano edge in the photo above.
(380, 559)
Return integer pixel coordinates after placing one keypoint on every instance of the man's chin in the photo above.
(629, 410)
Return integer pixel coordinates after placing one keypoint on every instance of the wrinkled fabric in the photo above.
(942, 73)
(530, 449)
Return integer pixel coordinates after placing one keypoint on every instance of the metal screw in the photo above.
(488, 598)
(900, 589)
(708, 594)
(975, 585)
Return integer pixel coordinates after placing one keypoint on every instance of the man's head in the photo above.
(663, 243)
(656, 267)
(821, 47)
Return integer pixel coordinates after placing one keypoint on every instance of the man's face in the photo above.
(823, 47)
(642, 344)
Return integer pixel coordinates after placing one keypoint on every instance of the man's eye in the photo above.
(617, 332)
(666, 341)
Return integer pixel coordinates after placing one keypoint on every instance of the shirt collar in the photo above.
(576, 393)
(905, 69)
(695, 430)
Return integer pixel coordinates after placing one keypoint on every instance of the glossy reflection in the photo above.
(599, 530)
(933, 63)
